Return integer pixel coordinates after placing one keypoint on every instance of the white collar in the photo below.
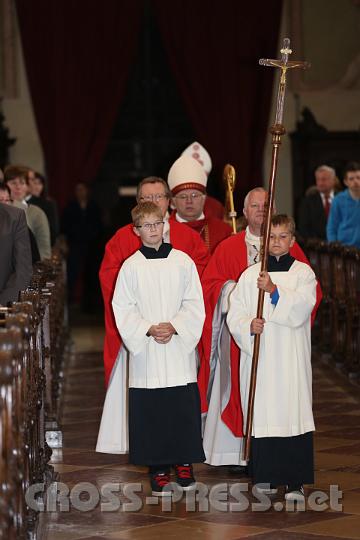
(251, 238)
(331, 195)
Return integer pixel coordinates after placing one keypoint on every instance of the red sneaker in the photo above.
(185, 476)
(159, 481)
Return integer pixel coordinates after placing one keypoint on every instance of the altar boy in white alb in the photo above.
(159, 311)
(281, 443)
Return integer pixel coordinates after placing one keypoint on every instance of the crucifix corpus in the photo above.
(277, 130)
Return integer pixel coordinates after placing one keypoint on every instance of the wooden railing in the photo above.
(337, 332)
(33, 344)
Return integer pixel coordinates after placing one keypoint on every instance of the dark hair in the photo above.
(15, 171)
(5, 187)
(351, 166)
(283, 219)
(153, 180)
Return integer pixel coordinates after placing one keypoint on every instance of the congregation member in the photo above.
(187, 181)
(38, 197)
(124, 244)
(159, 312)
(15, 258)
(315, 207)
(218, 378)
(344, 218)
(16, 178)
(282, 430)
(5, 197)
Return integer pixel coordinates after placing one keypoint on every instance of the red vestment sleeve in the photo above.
(227, 263)
(190, 242)
(121, 246)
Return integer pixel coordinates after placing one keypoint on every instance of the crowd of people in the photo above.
(180, 294)
(329, 213)
(167, 331)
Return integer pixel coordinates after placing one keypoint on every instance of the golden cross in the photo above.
(284, 64)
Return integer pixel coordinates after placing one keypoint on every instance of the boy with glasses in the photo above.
(159, 312)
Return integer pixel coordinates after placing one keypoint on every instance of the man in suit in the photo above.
(15, 260)
(315, 207)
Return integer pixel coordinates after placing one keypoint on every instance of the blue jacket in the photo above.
(344, 220)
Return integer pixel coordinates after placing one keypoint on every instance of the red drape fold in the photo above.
(77, 57)
(213, 49)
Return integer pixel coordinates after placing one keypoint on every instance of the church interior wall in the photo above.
(325, 33)
(16, 103)
(331, 88)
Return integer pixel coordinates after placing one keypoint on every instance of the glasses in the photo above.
(153, 198)
(17, 182)
(149, 226)
(191, 196)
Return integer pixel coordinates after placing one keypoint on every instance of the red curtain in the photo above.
(77, 56)
(214, 49)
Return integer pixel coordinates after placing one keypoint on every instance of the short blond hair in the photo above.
(283, 219)
(144, 209)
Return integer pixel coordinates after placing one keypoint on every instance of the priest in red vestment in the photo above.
(124, 243)
(187, 181)
(218, 377)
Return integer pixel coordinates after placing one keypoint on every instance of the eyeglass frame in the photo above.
(191, 196)
(149, 226)
(151, 198)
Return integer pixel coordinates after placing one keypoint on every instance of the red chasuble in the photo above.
(228, 263)
(213, 208)
(211, 229)
(123, 244)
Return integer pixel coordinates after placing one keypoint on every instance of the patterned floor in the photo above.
(337, 412)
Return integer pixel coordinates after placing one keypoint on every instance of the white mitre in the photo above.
(186, 173)
(198, 152)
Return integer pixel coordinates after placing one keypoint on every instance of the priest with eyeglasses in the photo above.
(187, 181)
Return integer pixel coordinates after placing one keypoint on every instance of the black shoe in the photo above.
(239, 470)
(185, 476)
(159, 482)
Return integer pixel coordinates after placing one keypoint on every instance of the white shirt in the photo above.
(253, 247)
(330, 197)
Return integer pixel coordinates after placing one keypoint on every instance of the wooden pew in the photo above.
(33, 345)
(338, 269)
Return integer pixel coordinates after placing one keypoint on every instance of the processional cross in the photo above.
(277, 130)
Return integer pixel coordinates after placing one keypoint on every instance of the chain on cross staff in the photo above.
(277, 130)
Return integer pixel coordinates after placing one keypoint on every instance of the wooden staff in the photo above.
(277, 130)
(229, 179)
